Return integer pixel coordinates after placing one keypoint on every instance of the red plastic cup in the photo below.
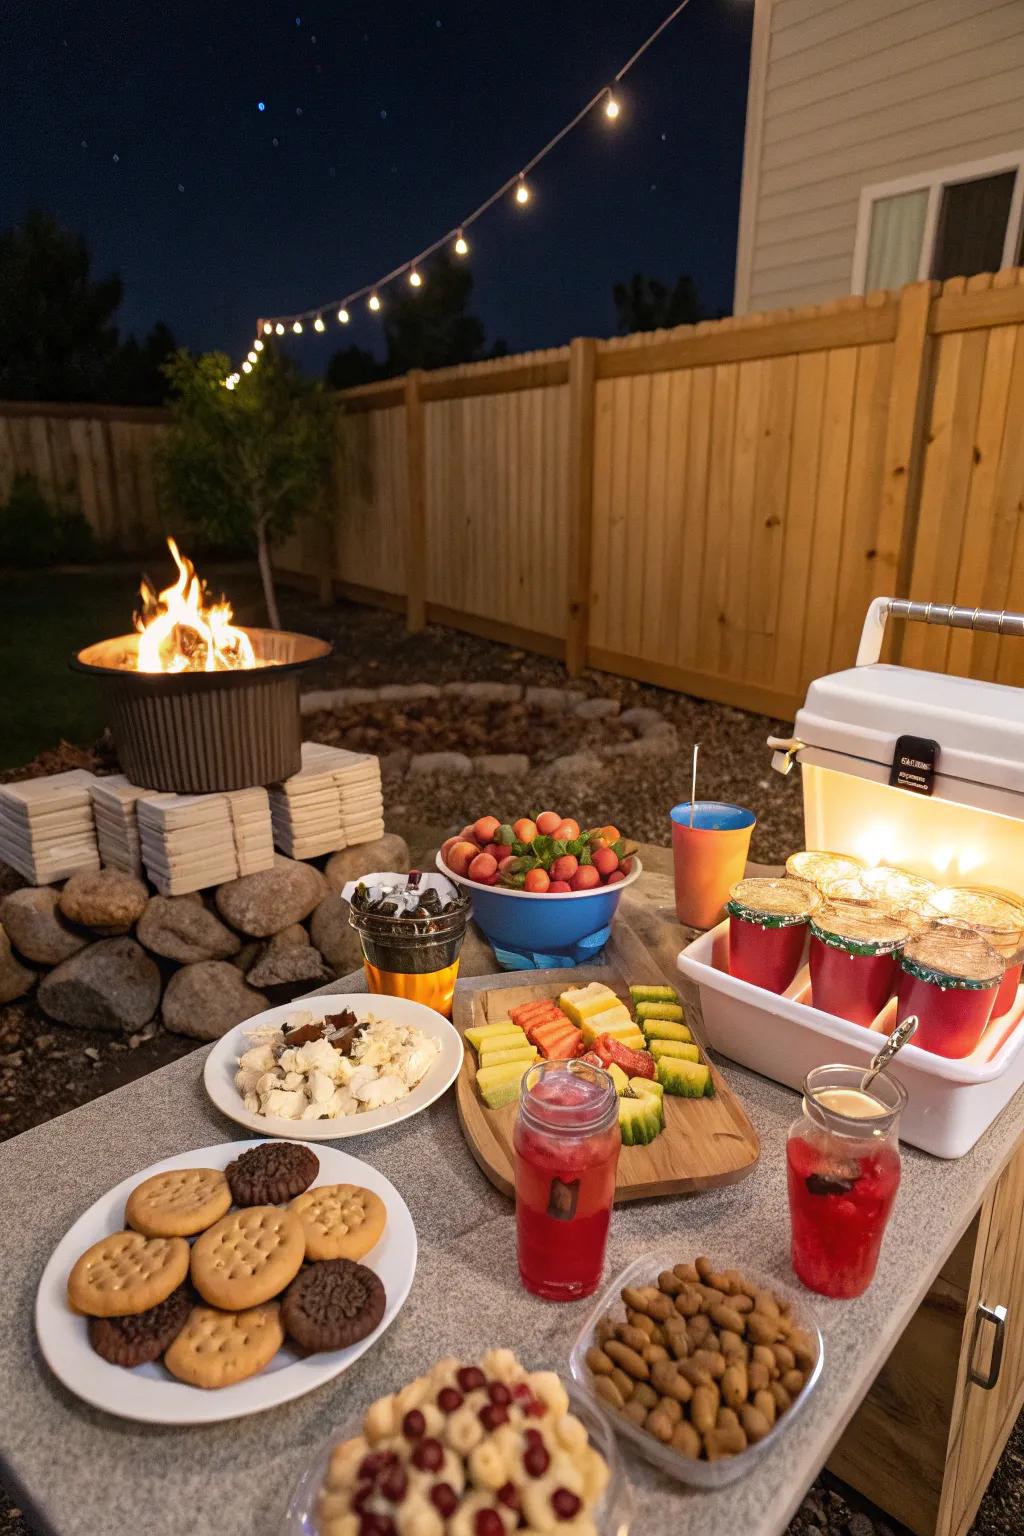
(709, 858)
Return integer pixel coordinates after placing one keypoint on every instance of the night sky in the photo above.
(138, 125)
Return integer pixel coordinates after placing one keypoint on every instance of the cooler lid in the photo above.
(862, 713)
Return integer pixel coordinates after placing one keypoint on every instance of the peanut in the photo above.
(636, 1413)
(758, 1376)
(727, 1317)
(698, 1329)
(686, 1440)
(803, 1348)
(687, 1303)
(660, 1426)
(724, 1442)
(710, 1297)
(652, 1353)
(660, 1306)
(606, 1388)
(735, 1280)
(687, 1273)
(645, 1394)
(642, 1321)
(728, 1418)
(781, 1396)
(712, 1360)
(672, 1407)
(730, 1343)
(793, 1382)
(635, 1338)
(676, 1339)
(704, 1409)
(735, 1385)
(670, 1283)
(634, 1298)
(599, 1363)
(696, 1375)
(762, 1329)
(604, 1331)
(785, 1325)
(703, 1266)
(763, 1355)
(765, 1404)
(755, 1425)
(624, 1383)
(718, 1282)
(784, 1357)
(741, 1302)
(628, 1359)
(766, 1303)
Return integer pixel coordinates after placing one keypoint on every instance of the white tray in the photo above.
(950, 1102)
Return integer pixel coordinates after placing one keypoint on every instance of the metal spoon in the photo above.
(903, 1032)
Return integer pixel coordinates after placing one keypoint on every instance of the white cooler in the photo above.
(957, 744)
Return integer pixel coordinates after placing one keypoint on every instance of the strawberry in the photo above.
(633, 1063)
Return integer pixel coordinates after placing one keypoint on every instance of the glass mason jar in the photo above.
(950, 977)
(767, 928)
(998, 917)
(818, 867)
(852, 957)
(567, 1150)
(901, 888)
(843, 1166)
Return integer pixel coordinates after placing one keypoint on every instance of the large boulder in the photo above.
(181, 928)
(15, 979)
(288, 961)
(389, 852)
(262, 904)
(205, 1000)
(37, 928)
(334, 935)
(112, 984)
(107, 901)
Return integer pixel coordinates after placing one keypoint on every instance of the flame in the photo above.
(181, 630)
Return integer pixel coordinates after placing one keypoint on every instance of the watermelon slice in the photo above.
(633, 1063)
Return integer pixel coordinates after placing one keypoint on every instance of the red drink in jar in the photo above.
(999, 918)
(853, 958)
(567, 1151)
(843, 1167)
(767, 928)
(950, 977)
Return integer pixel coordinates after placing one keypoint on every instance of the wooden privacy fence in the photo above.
(97, 458)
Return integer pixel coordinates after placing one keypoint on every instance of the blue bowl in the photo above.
(563, 929)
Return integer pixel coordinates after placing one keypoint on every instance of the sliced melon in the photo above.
(685, 1079)
(646, 994)
(578, 1003)
(677, 1049)
(482, 1032)
(618, 1077)
(665, 1029)
(525, 1053)
(500, 1085)
(507, 1042)
(673, 1011)
(641, 1085)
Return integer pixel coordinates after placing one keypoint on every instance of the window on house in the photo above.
(945, 223)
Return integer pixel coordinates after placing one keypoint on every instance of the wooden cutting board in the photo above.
(706, 1142)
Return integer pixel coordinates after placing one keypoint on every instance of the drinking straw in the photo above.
(693, 783)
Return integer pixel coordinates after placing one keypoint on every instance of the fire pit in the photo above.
(197, 704)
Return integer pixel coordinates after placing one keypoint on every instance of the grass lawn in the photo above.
(44, 617)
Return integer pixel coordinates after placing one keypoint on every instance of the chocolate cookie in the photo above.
(271, 1173)
(333, 1304)
(142, 1336)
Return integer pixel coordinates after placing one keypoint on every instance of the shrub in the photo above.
(35, 531)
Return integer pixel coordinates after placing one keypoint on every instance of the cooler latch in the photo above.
(784, 751)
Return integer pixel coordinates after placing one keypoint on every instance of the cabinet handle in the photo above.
(996, 1316)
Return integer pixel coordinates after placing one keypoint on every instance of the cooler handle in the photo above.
(993, 621)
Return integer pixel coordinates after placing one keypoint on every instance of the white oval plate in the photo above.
(149, 1393)
(222, 1064)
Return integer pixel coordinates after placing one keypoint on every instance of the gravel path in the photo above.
(46, 1069)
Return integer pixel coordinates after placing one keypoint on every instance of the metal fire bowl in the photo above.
(200, 732)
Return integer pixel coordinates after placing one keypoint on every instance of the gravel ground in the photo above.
(46, 1069)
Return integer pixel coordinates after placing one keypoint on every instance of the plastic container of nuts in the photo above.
(721, 1388)
(612, 1516)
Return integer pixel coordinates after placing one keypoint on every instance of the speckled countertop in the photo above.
(78, 1471)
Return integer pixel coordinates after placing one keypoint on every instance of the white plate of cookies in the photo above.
(225, 1281)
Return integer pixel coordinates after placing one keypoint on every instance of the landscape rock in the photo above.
(37, 928)
(247, 956)
(486, 693)
(596, 709)
(289, 964)
(440, 762)
(576, 765)
(108, 901)
(205, 1000)
(503, 764)
(262, 904)
(642, 719)
(329, 699)
(552, 700)
(113, 985)
(15, 979)
(395, 763)
(407, 693)
(181, 928)
(292, 937)
(389, 852)
(334, 935)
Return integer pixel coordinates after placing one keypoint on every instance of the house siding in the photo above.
(853, 92)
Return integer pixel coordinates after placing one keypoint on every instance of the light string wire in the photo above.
(517, 179)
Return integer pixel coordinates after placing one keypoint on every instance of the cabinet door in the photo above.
(983, 1418)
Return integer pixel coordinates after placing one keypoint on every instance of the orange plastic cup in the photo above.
(709, 858)
(413, 957)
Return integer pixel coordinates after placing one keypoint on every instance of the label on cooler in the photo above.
(913, 764)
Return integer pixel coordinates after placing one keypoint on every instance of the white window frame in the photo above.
(935, 182)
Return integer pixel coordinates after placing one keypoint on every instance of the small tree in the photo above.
(245, 463)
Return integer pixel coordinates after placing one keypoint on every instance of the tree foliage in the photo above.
(60, 339)
(243, 465)
(645, 304)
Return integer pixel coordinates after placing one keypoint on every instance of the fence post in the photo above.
(904, 438)
(416, 496)
(582, 355)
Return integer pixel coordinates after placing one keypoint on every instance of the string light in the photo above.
(247, 367)
(605, 99)
(250, 357)
(229, 383)
(318, 323)
(257, 345)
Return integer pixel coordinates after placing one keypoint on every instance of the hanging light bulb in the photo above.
(257, 345)
(297, 327)
(415, 280)
(247, 367)
(522, 191)
(229, 383)
(279, 328)
(374, 302)
(611, 105)
(461, 246)
(267, 327)
(343, 315)
(318, 323)
(250, 357)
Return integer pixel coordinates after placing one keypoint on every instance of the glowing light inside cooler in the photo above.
(951, 844)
